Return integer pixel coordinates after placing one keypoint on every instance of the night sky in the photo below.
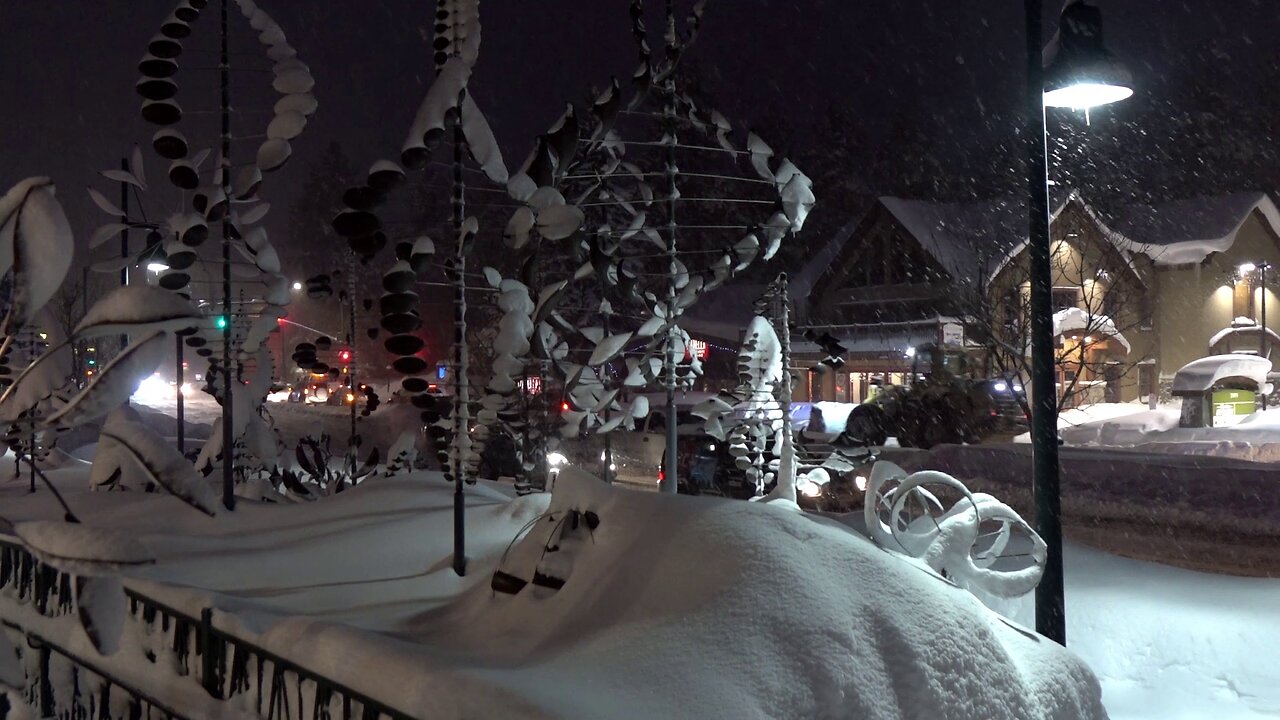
(68, 68)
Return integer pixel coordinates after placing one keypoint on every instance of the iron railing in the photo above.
(229, 668)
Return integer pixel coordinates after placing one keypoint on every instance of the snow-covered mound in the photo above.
(697, 607)
(670, 606)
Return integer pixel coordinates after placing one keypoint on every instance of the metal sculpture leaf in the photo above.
(36, 244)
(133, 309)
(161, 463)
(111, 387)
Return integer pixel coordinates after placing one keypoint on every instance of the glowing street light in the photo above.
(297, 285)
(1079, 72)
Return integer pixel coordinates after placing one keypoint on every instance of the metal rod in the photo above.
(461, 442)
(669, 482)
(228, 440)
(351, 358)
(124, 241)
(1262, 336)
(1050, 615)
(179, 374)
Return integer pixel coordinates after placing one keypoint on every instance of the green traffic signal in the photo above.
(221, 322)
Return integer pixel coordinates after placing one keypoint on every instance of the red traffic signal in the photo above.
(344, 355)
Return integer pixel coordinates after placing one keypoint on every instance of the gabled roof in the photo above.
(1189, 230)
(966, 239)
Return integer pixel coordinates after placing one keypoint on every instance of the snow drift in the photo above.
(698, 607)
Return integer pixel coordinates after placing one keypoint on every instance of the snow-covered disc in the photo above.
(286, 126)
(280, 51)
(161, 112)
(272, 35)
(164, 47)
(156, 88)
(175, 28)
(183, 175)
(157, 67)
(273, 153)
(290, 81)
(304, 103)
(246, 183)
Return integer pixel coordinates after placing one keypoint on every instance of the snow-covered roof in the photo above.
(724, 311)
(1189, 230)
(965, 238)
(873, 337)
(1238, 328)
(1203, 374)
(1077, 320)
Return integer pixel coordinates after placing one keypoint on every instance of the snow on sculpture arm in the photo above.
(952, 542)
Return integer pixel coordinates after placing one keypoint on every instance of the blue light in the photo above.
(441, 371)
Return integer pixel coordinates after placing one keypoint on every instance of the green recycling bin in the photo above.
(1231, 406)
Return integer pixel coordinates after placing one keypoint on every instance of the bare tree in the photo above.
(1100, 301)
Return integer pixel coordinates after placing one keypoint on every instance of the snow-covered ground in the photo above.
(1167, 643)
(671, 607)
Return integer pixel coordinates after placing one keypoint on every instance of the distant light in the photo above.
(556, 460)
(1246, 268)
(1088, 338)
(860, 482)
(564, 406)
(220, 322)
(153, 389)
(809, 488)
(1086, 95)
(911, 352)
(157, 267)
(1000, 386)
(297, 286)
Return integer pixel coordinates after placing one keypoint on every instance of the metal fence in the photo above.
(253, 679)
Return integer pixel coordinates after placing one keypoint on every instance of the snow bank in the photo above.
(1255, 438)
(671, 606)
(700, 607)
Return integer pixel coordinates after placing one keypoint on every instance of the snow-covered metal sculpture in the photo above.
(447, 110)
(239, 329)
(36, 248)
(638, 190)
(963, 542)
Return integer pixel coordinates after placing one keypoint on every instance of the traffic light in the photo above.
(220, 322)
(344, 355)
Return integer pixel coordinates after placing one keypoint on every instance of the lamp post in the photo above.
(1073, 71)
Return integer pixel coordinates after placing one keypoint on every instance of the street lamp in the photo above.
(297, 285)
(1076, 71)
